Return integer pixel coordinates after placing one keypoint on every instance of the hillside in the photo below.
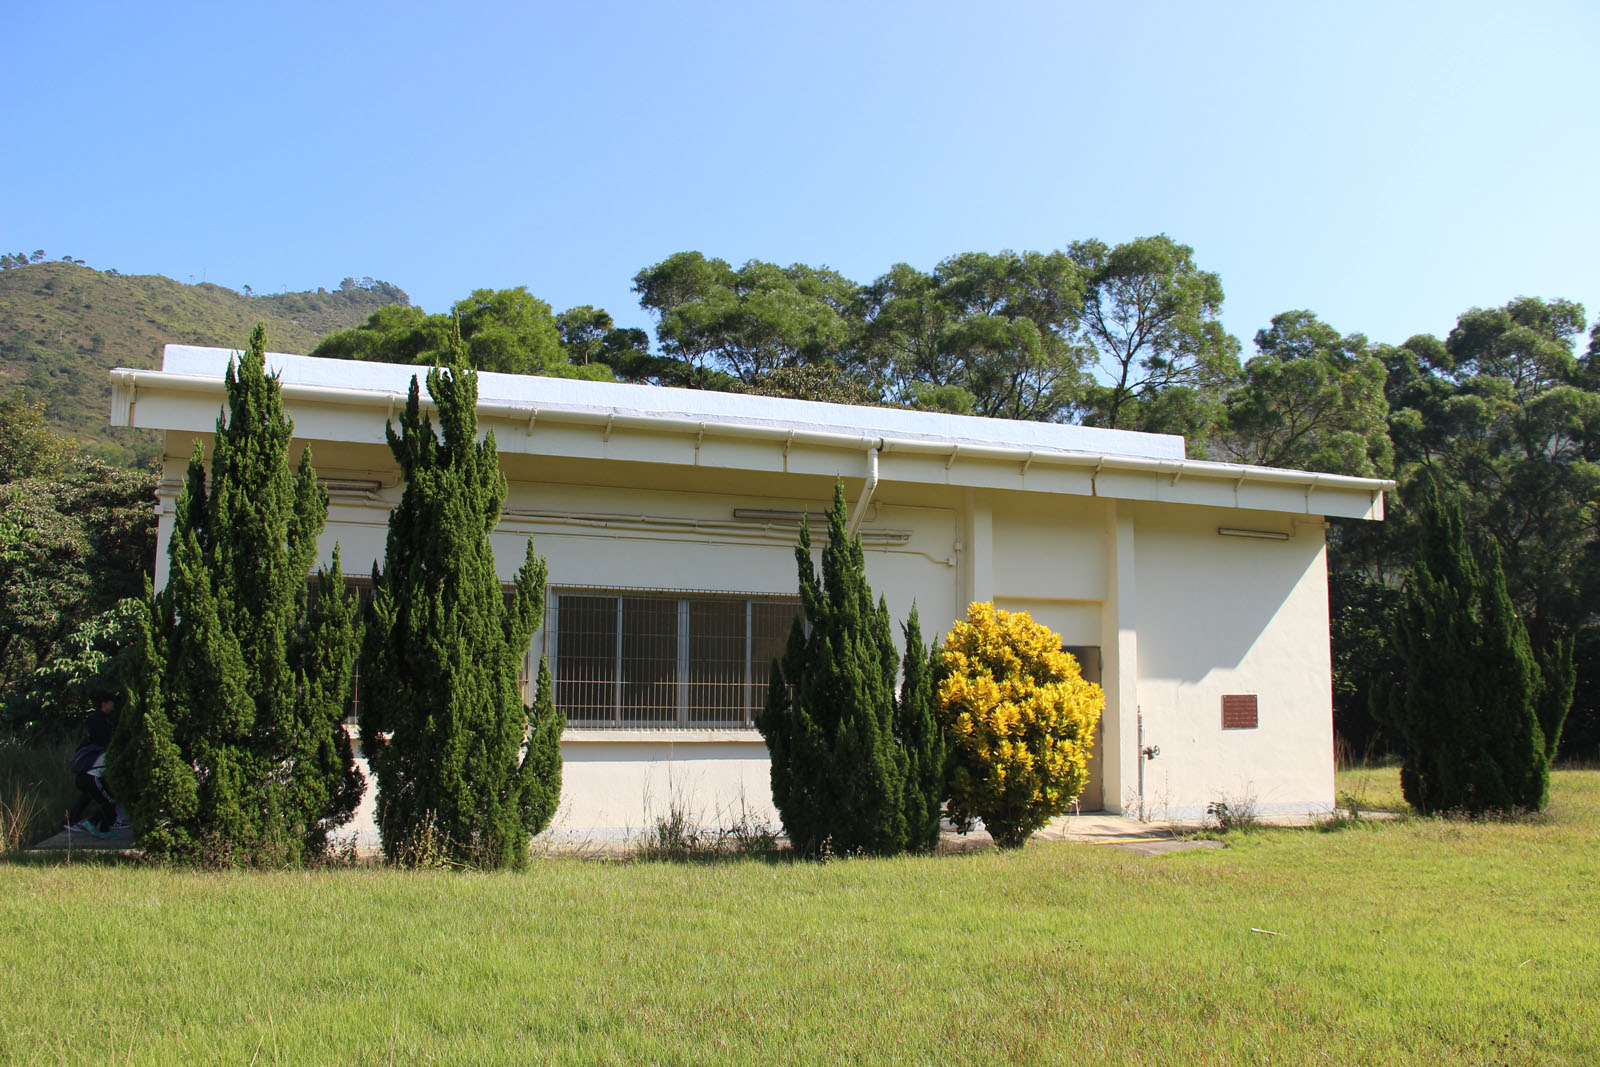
(63, 326)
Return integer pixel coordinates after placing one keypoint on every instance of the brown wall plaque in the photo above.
(1239, 711)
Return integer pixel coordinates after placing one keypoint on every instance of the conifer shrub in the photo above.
(920, 737)
(853, 769)
(1480, 715)
(466, 773)
(1018, 719)
(232, 748)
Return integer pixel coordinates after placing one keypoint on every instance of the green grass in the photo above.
(1372, 787)
(1420, 941)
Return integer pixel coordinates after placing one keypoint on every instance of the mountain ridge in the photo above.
(64, 325)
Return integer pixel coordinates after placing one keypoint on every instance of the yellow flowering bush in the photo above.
(1018, 719)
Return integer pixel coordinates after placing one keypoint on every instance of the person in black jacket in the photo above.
(89, 768)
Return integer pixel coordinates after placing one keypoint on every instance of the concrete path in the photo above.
(63, 840)
(1097, 828)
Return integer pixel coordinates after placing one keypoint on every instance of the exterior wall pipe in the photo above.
(867, 490)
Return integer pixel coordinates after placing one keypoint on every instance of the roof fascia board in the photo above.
(162, 400)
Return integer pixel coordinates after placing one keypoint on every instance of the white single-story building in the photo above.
(1195, 592)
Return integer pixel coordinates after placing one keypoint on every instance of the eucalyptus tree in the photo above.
(986, 334)
(1311, 399)
(1500, 415)
(510, 331)
(1162, 357)
(747, 322)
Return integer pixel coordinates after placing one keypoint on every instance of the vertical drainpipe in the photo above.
(860, 510)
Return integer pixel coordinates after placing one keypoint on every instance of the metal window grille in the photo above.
(646, 661)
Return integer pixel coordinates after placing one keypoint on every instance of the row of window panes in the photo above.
(658, 660)
(650, 660)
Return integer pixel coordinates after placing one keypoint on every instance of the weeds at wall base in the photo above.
(1240, 813)
(19, 813)
(677, 837)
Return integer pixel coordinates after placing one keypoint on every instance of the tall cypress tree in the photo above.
(1481, 718)
(849, 771)
(466, 773)
(232, 745)
(923, 740)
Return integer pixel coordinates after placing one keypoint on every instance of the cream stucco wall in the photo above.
(1232, 615)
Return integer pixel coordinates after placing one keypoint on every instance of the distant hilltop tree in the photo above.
(22, 259)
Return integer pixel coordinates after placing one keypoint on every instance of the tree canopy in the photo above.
(510, 331)
(1151, 316)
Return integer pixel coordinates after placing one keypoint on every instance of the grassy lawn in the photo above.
(1373, 787)
(1412, 942)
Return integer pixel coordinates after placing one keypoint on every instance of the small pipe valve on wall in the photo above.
(1150, 751)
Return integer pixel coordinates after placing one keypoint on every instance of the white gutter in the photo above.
(125, 383)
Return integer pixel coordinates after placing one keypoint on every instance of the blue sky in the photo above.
(1386, 165)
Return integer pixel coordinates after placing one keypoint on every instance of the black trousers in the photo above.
(92, 791)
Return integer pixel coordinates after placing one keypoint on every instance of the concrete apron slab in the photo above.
(1118, 831)
(1095, 828)
(121, 840)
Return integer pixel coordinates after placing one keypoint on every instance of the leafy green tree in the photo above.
(44, 582)
(1311, 400)
(232, 748)
(1500, 416)
(1010, 336)
(504, 330)
(822, 382)
(985, 334)
(1151, 315)
(72, 545)
(466, 774)
(1503, 416)
(746, 322)
(849, 766)
(28, 447)
(1481, 717)
(589, 335)
(904, 325)
(96, 656)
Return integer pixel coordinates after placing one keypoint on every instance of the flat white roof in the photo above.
(613, 398)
